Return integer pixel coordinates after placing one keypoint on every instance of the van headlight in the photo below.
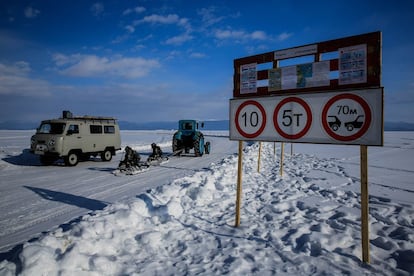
(52, 142)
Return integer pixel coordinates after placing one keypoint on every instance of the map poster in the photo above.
(320, 74)
(353, 64)
(299, 76)
(275, 79)
(304, 73)
(248, 78)
(289, 77)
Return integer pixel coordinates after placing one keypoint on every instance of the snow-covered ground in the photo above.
(178, 218)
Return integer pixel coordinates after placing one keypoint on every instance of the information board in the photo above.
(345, 63)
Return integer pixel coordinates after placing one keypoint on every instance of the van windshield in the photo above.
(51, 128)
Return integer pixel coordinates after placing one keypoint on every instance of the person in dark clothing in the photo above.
(156, 151)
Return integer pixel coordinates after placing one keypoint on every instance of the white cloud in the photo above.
(208, 17)
(243, 36)
(283, 36)
(19, 68)
(97, 9)
(179, 39)
(93, 66)
(14, 80)
(130, 29)
(160, 19)
(258, 35)
(31, 12)
(197, 55)
(134, 10)
(240, 35)
(164, 19)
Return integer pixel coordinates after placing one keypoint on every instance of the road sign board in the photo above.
(250, 119)
(346, 117)
(292, 118)
(351, 117)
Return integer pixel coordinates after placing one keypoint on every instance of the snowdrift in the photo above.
(306, 222)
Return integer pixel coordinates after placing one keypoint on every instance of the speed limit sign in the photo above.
(250, 119)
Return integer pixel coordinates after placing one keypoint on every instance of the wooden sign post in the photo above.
(324, 93)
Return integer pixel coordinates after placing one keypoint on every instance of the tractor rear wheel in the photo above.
(177, 150)
(199, 145)
(207, 148)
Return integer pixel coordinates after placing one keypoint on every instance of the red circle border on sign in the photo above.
(262, 127)
(356, 135)
(308, 114)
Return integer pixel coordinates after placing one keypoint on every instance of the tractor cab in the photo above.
(190, 125)
(189, 137)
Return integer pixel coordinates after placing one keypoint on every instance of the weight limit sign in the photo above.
(250, 119)
(292, 118)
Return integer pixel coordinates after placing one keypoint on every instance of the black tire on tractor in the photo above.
(175, 147)
(71, 159)
(207, 148)
(199, 145)
(106, 155)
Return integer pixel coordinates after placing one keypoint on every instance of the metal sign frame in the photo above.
(342, 59)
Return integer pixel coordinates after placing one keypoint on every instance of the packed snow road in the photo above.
(36, 198)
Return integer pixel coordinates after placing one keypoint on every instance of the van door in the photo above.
(73, 139)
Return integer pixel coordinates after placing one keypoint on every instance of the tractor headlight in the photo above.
(52, 142)
(32, 141)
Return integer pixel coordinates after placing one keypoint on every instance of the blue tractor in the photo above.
(189, 137)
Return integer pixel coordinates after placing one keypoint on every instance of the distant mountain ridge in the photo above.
(208, 125)
(167, 125)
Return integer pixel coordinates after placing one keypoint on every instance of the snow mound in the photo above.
(305, 222)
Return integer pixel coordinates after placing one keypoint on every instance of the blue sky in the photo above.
(144, 61)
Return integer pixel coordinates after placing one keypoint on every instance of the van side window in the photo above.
(73, 129)
(96, 129)
(109, 129)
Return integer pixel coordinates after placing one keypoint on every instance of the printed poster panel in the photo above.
(353, 64)
(289, 77)
(248, 78)
(320, 74)
(300, 76)
(275, 79)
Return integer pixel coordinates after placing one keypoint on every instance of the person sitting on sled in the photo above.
(131, 158)
(156, 151)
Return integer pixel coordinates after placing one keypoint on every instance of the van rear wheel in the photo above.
(106, 155)
(72, 159)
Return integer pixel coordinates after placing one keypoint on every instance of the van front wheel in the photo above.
(72, 159)
(106, 155)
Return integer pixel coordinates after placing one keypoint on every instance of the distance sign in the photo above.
(346, 117)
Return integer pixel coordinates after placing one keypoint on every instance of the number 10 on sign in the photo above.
(250, 119)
